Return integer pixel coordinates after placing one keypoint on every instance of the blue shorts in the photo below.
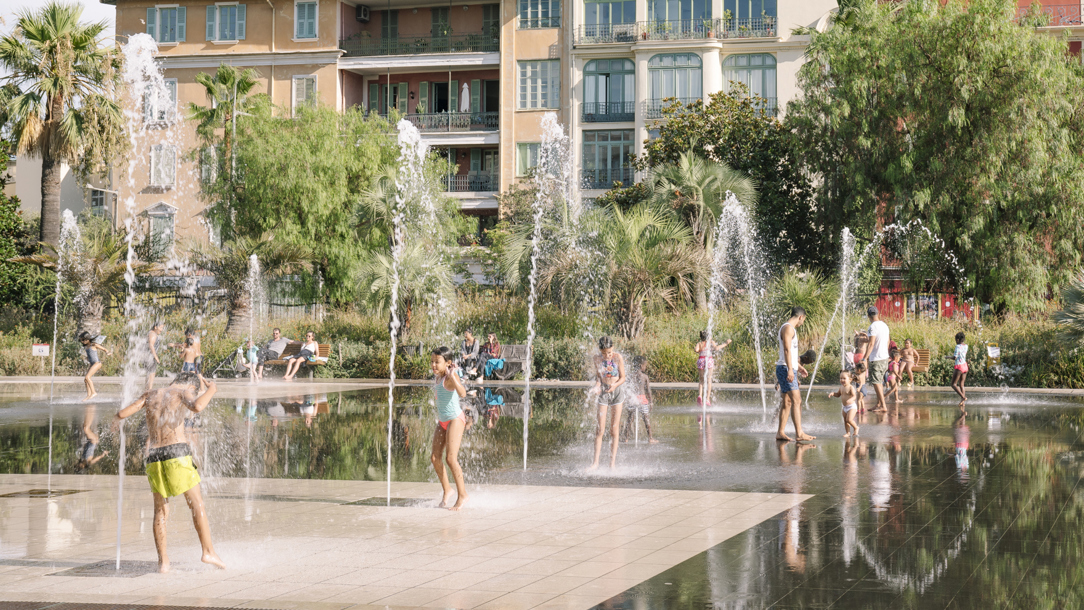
(781, 377)
(188, 367)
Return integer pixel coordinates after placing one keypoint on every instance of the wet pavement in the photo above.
(928, 508)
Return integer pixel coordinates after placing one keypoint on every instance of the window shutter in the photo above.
(374, 97)
(403, 95)
(182, 27)
(310, 90)
(475, 95)
(521, 159)
(212, 13)
(240, 22)
(293, 93)
(148, 105)
(170, 110)
(453, 96)
(152, 20)
(170, 165)
(475, 159)
(312, 20)
(423, 97)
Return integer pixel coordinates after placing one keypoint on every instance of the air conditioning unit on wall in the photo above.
(361, 13)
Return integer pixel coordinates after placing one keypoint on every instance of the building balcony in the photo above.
(687, 29)
(1054, 15)
(471, 183)
(605, 178)
(365, 46)
(608, 112)
(437, 122)
(653, 109)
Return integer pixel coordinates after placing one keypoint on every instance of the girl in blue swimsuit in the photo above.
(91, 348)
(447, 390)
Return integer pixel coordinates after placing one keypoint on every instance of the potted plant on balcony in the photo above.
(743, 31)
(724, 27)
(769, 24)
(707, 28)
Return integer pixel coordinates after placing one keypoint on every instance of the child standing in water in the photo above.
(609, 384)
(189, 353)
(641, 403)
(894, 378)
(959, 374)
(705, 363)
(91, 347)
(859, 381)
(848, 395)
(252, 355)
(447, 436)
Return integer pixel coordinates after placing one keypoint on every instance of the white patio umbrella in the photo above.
(464, 99)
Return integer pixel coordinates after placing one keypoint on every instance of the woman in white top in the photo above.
(309, 349)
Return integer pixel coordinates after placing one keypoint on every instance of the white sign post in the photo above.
(42, 351)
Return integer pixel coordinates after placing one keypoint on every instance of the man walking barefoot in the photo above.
(877, 356)
(787, 369)
(170, 469)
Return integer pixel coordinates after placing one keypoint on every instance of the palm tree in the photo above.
(230, 266)
(423, 275)
(650, 259)
(694, 188)
(1070, 318)
(95, 267)
(65, 110)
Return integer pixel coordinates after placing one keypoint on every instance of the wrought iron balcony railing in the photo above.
(453, 121)
(608, 112)
(653, 108)
(1055, 15)
(471, 183)
(605, 178)
(685, 29)
(416, 45)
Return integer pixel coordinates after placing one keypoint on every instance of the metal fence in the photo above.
(454, 121)
(684, 29)
(475, 42)
(608, 112)
(605, 178)
(460, 183)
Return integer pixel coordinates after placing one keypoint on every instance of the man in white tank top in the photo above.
(787, 370)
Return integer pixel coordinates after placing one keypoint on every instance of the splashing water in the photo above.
(737, 250)
(257, 296)
(67, 249)
(847, 272)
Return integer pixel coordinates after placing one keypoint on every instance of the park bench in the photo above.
(515, 357)
(293, 349)
(922, 362)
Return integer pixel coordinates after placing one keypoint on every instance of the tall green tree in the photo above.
(954, 114)
(301, 179)
(735, 129)
(66, 109)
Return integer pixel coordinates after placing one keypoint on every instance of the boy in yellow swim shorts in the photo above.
(170, 469)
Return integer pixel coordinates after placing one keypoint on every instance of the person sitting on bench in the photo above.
(273, 350)
(309, 349)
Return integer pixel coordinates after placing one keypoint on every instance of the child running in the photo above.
(705, 351)
(959, 374)
(447, 436)
(170, 469)
(910, 358)
(609, 385)
(189, 353)
(91, 346)
(860, 381)
(641, 404)
(848, 395)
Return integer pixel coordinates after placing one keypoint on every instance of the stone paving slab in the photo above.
(308, 543)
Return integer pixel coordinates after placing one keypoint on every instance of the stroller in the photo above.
(234, 365)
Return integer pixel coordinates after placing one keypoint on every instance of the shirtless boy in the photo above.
(910, 357)
(170, 469)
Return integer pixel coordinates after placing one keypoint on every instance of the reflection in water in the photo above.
(896, 519)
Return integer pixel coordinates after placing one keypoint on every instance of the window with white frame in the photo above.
(163, 165)
(226, 22)
(305, 20)
(167, 24)
(304, 90)
(160, 105)
(539, 14)
(676, 75)
(526, 157)
(162, 226)
(97, 198)
(539, 84)
(756, 71)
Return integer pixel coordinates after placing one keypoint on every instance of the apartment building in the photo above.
(475, 77)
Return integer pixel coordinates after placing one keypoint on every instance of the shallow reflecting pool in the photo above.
(927, 508)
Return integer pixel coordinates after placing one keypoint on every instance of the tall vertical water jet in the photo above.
(254, 285)
(67, 250)
(737, 249)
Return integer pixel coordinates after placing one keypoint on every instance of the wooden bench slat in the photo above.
(293, 349)
(922, 363)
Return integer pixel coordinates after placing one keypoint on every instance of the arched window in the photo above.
(755, 71)
(678, 75)
(609, 92)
